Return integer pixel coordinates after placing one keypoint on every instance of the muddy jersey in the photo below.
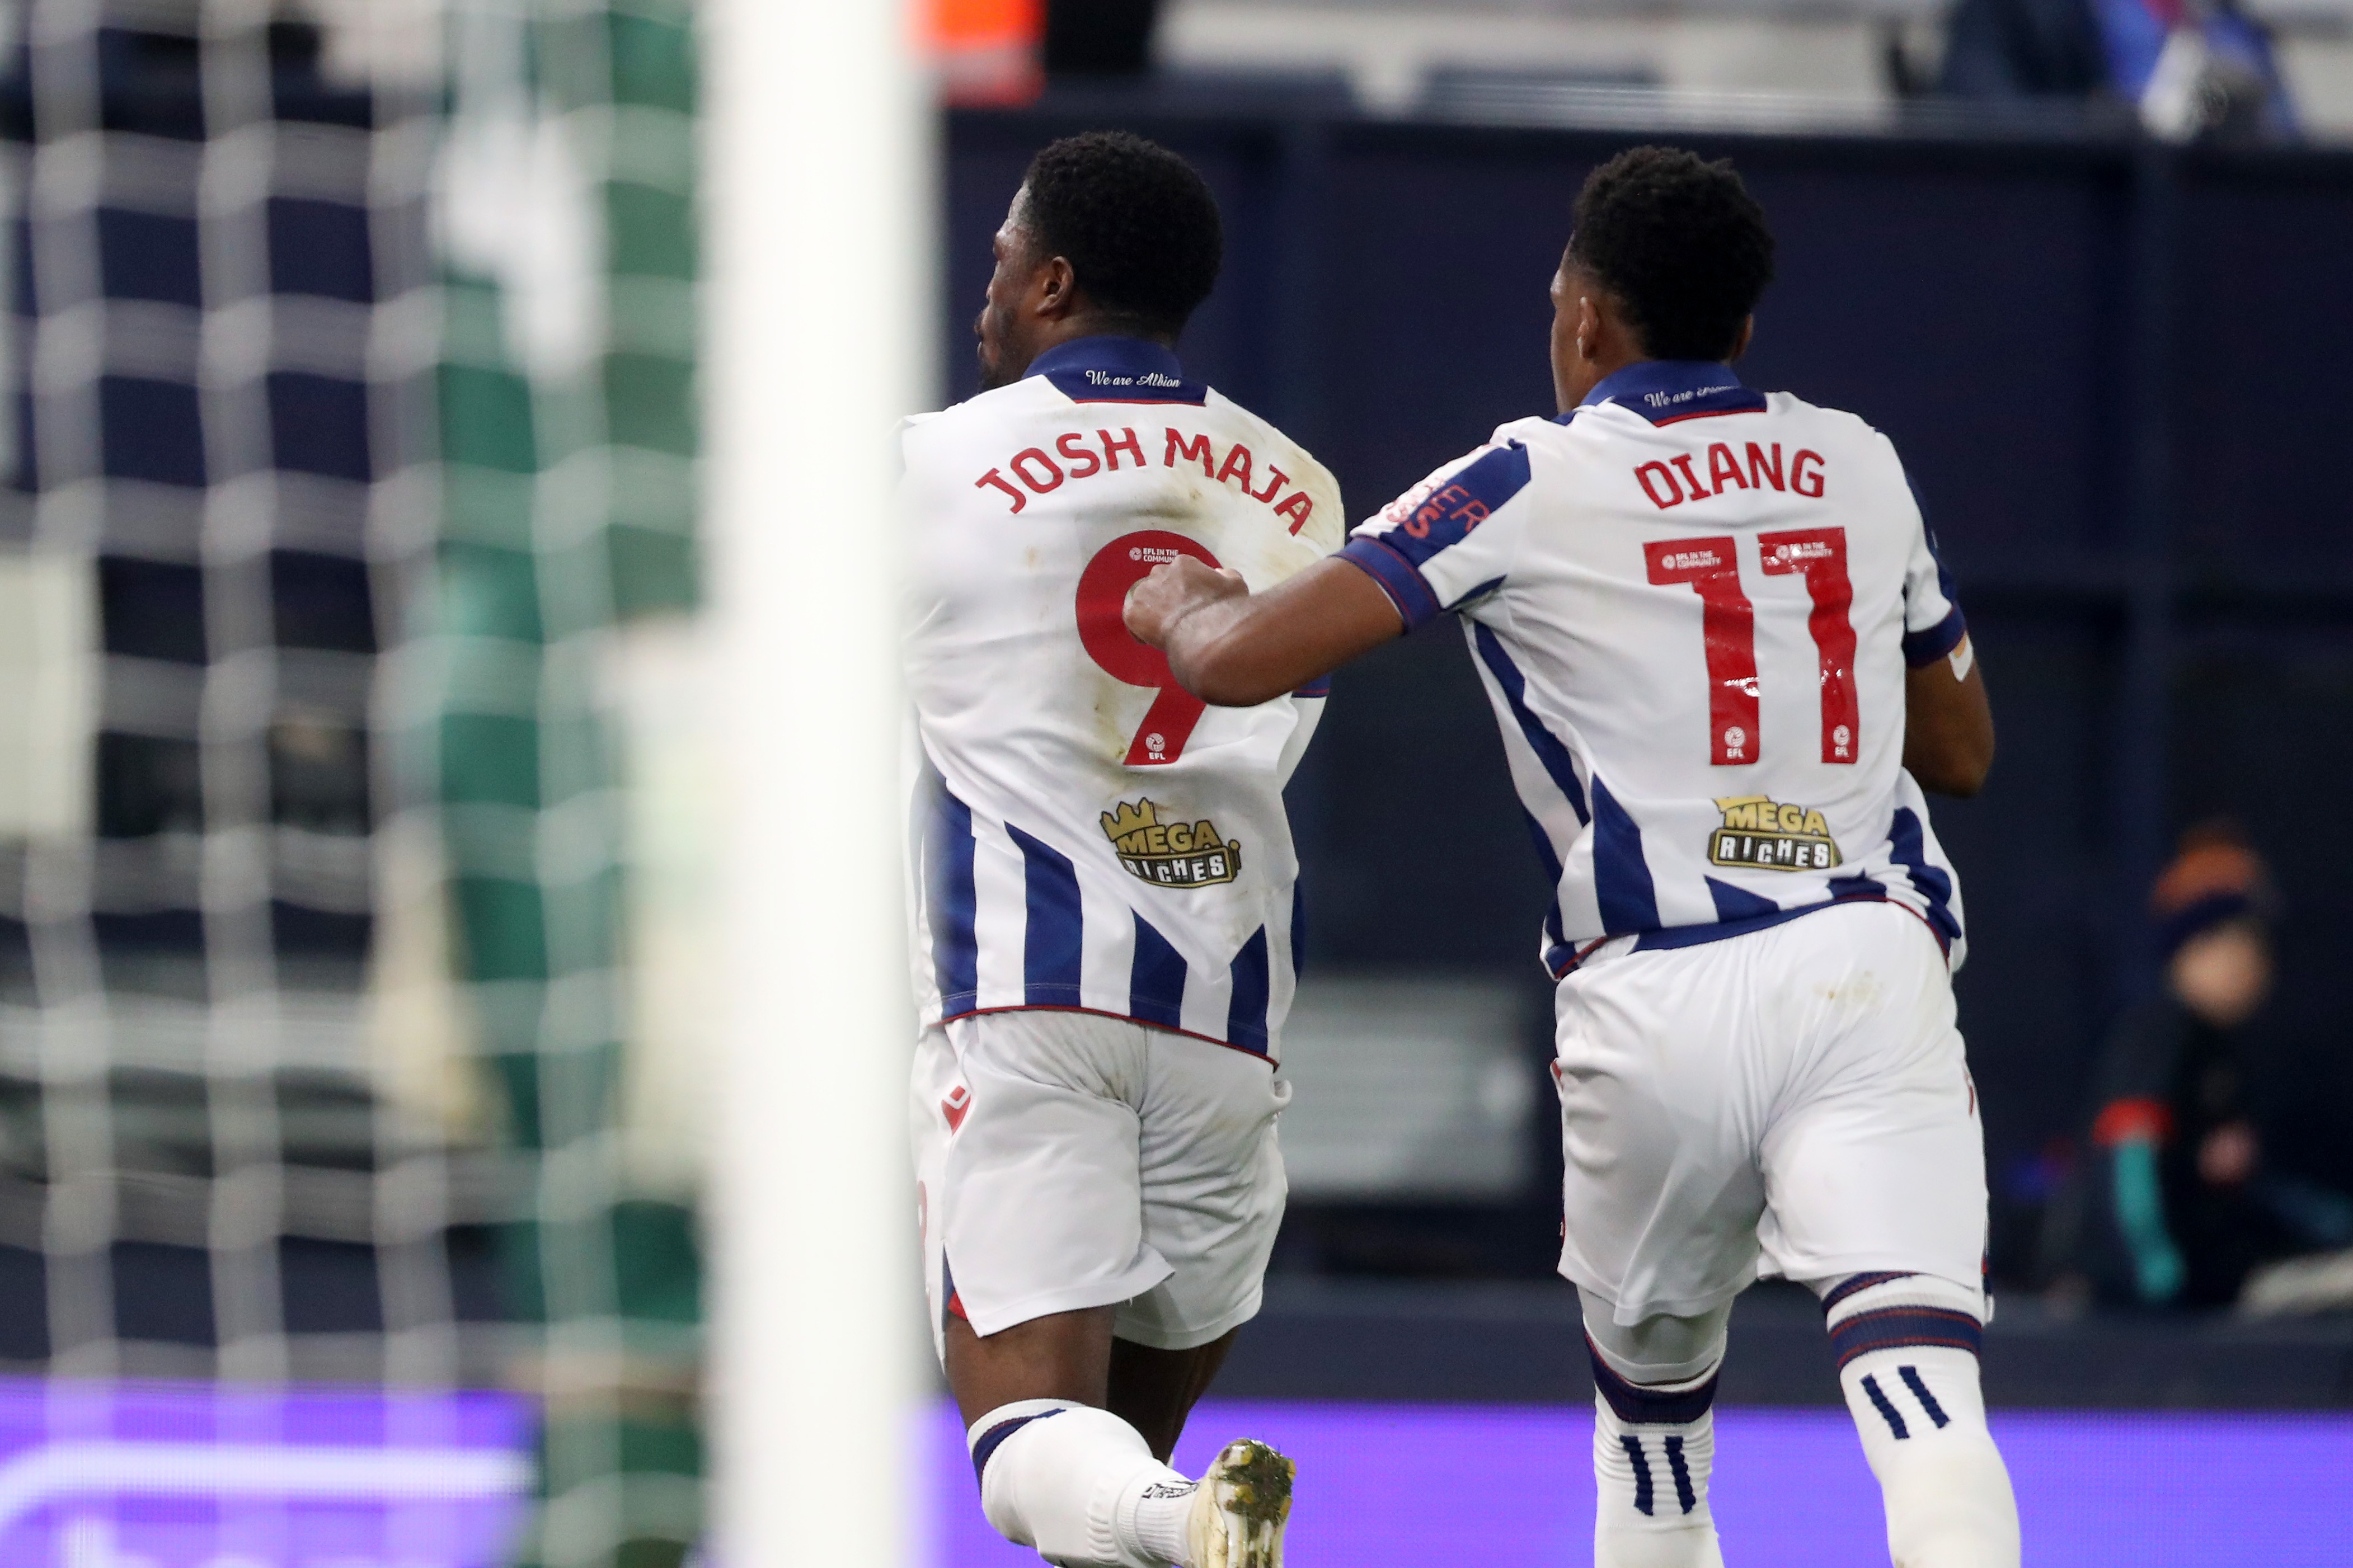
(1086, 834)
(1692, 606)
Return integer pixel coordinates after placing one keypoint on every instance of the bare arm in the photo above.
(1235, 648)
(1949, 725)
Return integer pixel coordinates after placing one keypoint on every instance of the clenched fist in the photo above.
(1174, 590)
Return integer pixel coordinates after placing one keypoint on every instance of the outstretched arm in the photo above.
(1948, 724)
(1235, 648)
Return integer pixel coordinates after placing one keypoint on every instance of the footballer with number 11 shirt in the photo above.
(1726, 663)
(1106, 926)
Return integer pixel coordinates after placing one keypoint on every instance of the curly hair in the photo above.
(1679, 243)
(1137, 224)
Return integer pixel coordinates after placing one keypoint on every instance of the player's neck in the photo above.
(1588, 373)
(1092, 325)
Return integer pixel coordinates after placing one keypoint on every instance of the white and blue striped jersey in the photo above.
(1692, 606)
(1086, 834)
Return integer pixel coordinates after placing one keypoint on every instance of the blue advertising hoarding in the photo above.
(152, 1475)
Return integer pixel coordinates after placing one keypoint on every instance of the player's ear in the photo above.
(1588, 322)
(1740, 344)
(1055, 288)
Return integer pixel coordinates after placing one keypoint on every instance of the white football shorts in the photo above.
(1067, 1160)
(1791, 1101)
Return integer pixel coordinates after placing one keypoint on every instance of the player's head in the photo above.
(2211, 907)
(1109, 233)
(1667, 258)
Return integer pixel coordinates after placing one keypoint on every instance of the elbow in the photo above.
(1222, 676)
(1962, 776)
(1979, 765)
(1969, 780)
(1222, 687)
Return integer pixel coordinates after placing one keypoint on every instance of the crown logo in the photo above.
(1129, 819)
(1171, 854)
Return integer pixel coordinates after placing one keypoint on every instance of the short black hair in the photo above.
(1137, 224)
(1679, 243)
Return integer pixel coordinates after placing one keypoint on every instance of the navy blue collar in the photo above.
(1665, 390)
(1115, 370)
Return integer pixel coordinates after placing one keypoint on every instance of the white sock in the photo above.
(1079, 1484)
(1654, 1447)
(1153, 1516)
(1909, 1369)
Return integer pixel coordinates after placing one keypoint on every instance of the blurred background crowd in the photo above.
(2188, 70)
(354, 748)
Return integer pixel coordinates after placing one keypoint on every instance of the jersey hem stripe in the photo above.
(1672, 937)
(1668, 939)
(1259, 1054)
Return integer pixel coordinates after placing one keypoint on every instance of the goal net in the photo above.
(349, 824)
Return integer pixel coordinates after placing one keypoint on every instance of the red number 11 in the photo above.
(1820, 554)
(1728, 625)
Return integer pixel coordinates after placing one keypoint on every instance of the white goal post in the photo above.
(818, 318)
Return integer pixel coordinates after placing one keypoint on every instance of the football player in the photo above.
(1727, 662)
(1107, 930)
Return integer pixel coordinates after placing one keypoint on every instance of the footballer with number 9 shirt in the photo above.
(1726, 662)
(1106, 927)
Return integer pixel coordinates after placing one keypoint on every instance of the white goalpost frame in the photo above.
(817, 317)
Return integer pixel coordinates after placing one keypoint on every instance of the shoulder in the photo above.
(1265, 434)
(1830, 424)
(1534, 430)
(1272, 451)
(982, 418)
(1464, 491)
(1514, 459)
(1504, 456)
(1857, 449)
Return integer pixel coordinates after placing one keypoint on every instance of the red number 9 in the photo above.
(1102, 599)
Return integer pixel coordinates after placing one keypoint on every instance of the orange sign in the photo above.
(987, 50)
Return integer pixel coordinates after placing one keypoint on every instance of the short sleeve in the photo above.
(1933, 623)
(1451, 540)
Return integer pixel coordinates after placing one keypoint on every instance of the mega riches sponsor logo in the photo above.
(1170, 854)
(1766, 836)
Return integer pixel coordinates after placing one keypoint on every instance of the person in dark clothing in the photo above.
(2178, 1165)
(2194, 69)
(2023, 48)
